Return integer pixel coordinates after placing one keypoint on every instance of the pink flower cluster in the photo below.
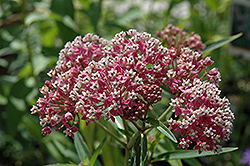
(206, 118)
(175, 37)
(95, 78)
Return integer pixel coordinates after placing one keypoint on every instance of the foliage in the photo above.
(31, 35)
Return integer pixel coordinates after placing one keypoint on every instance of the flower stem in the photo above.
(125, 128)
(126, 157)
(137, 133)
(164, 114)
(111, 134)
(132, 139)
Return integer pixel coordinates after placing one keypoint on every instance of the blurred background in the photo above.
(32, 32)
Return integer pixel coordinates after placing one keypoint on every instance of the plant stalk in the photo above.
(165, 113)
(111, 134)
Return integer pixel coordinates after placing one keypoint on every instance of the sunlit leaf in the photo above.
(33, 17)
(175, 162)
(69, 22)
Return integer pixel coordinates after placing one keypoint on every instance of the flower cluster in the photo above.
(150, 94)
(95, 78)
(206, 118)
(175, 37)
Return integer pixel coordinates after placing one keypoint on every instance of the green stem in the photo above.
(165, 113)
(126, 129)
(111, 134)
(137, 133)
(132, 139)
(126, 157)
(137, 126)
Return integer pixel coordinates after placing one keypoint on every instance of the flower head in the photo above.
(206, 118)
(93, 80)
(175, 37)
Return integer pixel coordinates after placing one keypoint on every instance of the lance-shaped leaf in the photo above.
(81, 147)
(218, 44)
(162, 128)
(139, 155)
(185, 154)
(97, 152)
(62, 164)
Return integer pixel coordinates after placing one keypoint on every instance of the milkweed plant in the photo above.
(124, 78)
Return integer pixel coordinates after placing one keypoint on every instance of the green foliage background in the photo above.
(32, 32)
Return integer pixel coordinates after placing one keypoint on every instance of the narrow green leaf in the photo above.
(175, 162)
(67, 153)
(33, 17)
(162, 128)
(137, 149)
(63, 7)
(81, 147)
(185, 154)
(54, 151)
(193, 162)
(144, 156)
(219, 43)
(69, 22)
(125, 132)
(15, 109)
(97, 152)
(139, 155)
(61, 164)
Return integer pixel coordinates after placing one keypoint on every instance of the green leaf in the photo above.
(139, 154)
(49, 32)
(15, 109)
(85, 4)
(125, 132)
(81, 147)
(69, 22)
(20, 90)
(62, 164)
(67, 153)
(175, 162)
(185, 154)
(94, 13)
(193, 162)
(33, 17)
(54, 151)
(63, 7)
(40, 62)
(132, 14)
(31, 124)
(97, 152)
(3, 62)
(162, 128)
(219, 44)
(213, 4)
